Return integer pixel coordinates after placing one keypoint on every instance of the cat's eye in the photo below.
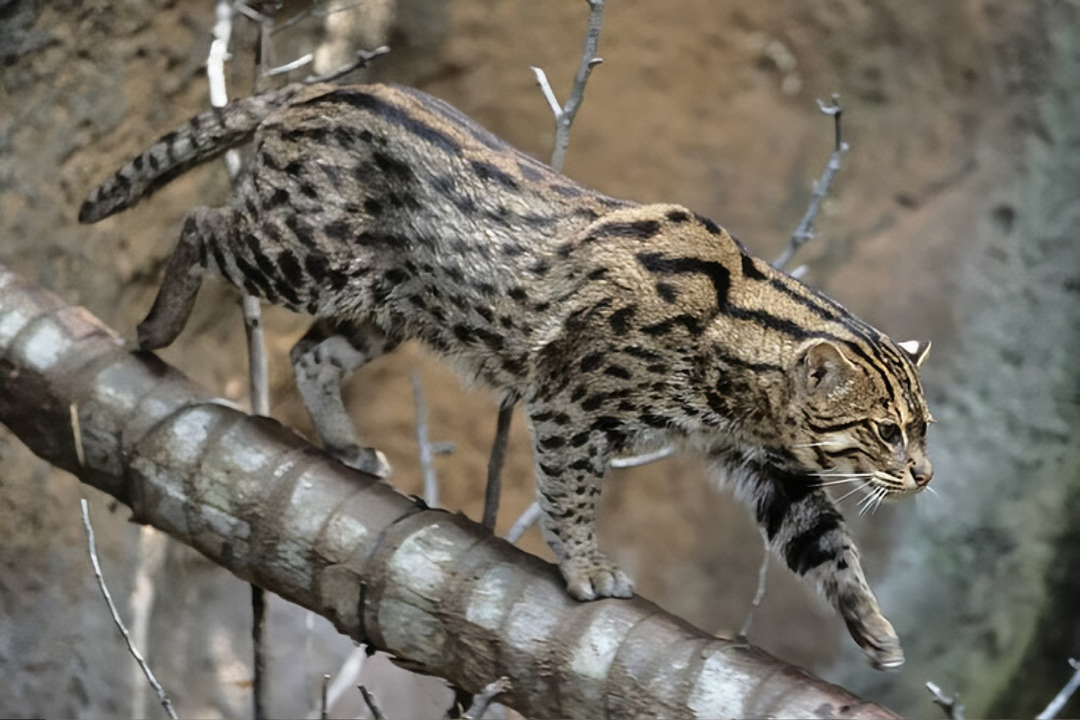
(890, 433)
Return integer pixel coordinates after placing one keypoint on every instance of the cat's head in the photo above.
(858, 417)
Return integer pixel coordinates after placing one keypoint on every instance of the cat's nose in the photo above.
(922, 473)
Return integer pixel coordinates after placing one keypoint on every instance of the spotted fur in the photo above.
(389, 216)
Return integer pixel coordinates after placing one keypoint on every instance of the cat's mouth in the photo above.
(868, 490)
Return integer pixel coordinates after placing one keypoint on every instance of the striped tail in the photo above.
(203, 138)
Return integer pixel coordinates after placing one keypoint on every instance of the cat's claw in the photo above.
(596, 578)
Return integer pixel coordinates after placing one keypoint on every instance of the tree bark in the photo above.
(433, 589)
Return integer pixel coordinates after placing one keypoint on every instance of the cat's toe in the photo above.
(596, 579)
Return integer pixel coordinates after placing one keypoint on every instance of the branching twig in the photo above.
(165, 702)
(564, 115)
(481, 702)
(372, 703)
(363, 57)
(805, 231)
(1062, 697)
(951, 705)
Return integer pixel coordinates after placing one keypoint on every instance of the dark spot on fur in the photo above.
(277, 198)
(617, 372)
(317, 266)
(593, 402)
(620, 319)
(637, 229)
(373, 207)
(592, 361)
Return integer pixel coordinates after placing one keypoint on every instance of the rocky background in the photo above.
(952, 220)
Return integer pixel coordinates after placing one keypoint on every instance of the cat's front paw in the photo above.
(875, 635)
(364, 459)
(594, 577)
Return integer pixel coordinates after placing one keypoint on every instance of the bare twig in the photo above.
(363, 57)
(763, 574)
(564, 115)
(324, 706)
(497, 460)
(428, 450)
(165, 702)
(258, 366)
(643, 459)
(1062, 697)
(372, 703)
(805, 231)
(481, 702)
(951, 705)
(523, 523)
(290, 66)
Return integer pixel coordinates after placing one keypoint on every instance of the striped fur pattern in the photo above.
(390, 216)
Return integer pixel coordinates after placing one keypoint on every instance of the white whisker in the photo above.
(831, 474)
(852, 492)
(932, 490)
(843, 481)
(872, 500)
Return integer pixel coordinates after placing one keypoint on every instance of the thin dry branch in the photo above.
(372, 703)
(805, 231)
(150, 678)
(565, 114)
(762, 579)
(949, 704)
(258, 365)
(431, 588)
(1063, 696)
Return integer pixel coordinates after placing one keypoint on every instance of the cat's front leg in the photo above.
(571, 460)
(807, 532)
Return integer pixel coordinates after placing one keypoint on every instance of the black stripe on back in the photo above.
(391, 114)
(714, 271)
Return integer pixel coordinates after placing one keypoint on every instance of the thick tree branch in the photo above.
(434, 589)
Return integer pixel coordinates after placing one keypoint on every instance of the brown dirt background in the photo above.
(703, 103)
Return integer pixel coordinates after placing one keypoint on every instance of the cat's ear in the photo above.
(915, 350)
(823, 367)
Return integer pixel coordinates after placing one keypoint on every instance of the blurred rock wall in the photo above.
(952, 220)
